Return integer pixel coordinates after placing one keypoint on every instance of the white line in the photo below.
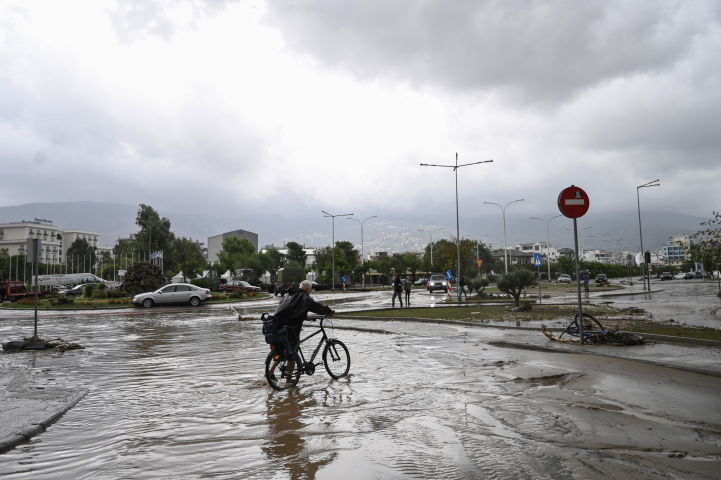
(575, 202)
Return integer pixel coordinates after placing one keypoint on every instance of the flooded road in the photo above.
(182, 395)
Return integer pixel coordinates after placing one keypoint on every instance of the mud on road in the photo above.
(182, 395)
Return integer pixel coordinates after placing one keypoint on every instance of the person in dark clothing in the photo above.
(462, 288)
(585, 281)
(397, 291)
(292, 312)
(407, 285)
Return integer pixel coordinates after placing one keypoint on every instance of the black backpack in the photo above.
(270, 328)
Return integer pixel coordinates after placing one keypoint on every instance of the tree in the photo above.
(413, 263)
(82, 253)
(296, 253)
(346, 251)
(480, 284)
(188, 258)
(567, 263)
(515, 282)
(152, 228)
(707, 245)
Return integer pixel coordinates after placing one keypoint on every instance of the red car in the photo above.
(237, 286)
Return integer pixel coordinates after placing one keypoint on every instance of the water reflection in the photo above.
(286, 448)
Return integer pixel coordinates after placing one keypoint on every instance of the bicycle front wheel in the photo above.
(278, 378)
(336, 359)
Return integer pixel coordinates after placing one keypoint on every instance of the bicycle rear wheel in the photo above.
(336, 359)
(278, 380)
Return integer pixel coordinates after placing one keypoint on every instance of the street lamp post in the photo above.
(431, 235)
(505, 247)
(332, 275)
(458, 225)
(548, 243)
(363, 275)
(654, 183)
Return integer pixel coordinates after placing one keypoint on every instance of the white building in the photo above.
(54, 241)
(546, 249)
(309, 253)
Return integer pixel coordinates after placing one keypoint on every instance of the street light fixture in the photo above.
(653, 183)
(431, 235)
(363, 275)
(505, 247)
(458, 224)
(332, 275)
(548, 243)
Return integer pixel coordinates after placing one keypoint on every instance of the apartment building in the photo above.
(55, 241)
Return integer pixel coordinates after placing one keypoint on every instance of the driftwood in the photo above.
(551, 336)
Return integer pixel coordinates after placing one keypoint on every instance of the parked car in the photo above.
(666, 276)
(698, 274)
(77, 290)
(437, 282)
(564, 278)
(237, 286)
(601, 277)
(178, 293)
(421, 281)
(679, 276)
(689, 275)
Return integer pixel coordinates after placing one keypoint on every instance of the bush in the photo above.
(99, 294)
(480, 284)
(88, 291)
(235, 295)
(201, 282)
(119, 301)
(117, 293)
(492, 278)
(514, 283)
(102, 286)
(219, 297)
(26, 301)
(143, 277)
(62, 301)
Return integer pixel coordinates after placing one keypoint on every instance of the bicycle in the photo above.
(593, 335)
(335, 358)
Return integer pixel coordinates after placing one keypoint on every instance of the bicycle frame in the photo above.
(324, 339)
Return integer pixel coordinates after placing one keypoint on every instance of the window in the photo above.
(168, 289)
(32, 232)
(182, 288)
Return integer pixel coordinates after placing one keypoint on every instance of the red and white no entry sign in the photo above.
(573, 202)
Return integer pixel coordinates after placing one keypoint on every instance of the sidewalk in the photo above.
(27, 407)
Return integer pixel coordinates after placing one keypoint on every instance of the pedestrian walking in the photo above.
(585, 281)
(462, 288)
(397, 291)
(407, 288)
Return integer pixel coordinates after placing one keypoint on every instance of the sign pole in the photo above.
(578, 280)
(540, 301)
(36, 241)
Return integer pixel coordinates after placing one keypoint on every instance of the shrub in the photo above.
(235, 295)
(219, 297)
(102, 286)
(201, 282)
(514, 283)
(119, 301)
(88, 291)
(26, 301)
(143, 277)
(99, 294)
(492, 278)
(480, 284)
(117, 293)
(62, 301)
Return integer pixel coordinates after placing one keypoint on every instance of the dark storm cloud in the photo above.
(540, 50)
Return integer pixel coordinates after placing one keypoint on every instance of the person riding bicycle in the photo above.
(292, 312)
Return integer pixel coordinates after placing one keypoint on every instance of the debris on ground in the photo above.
(37, 343)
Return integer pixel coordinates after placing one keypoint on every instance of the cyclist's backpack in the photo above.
(270, 328)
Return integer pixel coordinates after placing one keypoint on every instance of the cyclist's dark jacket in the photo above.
(462, 282)
(294, 308)
(398, 285)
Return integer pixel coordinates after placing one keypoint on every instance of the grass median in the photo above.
(90, 303)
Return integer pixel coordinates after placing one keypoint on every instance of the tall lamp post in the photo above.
(477, 241)
(654, 183)
(332, 275)
(431, 235)
(363, 275)
(505, 247)
(548, 243)
(458, 224)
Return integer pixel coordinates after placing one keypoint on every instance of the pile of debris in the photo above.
(37, 343)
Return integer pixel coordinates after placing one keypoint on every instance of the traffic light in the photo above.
(648, 257)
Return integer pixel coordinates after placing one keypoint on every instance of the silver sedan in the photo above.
(176, 293)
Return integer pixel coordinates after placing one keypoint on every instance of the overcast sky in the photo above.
(325, 104)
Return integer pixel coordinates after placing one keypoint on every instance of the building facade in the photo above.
(215, 244)
(54, 241)
(674, 252)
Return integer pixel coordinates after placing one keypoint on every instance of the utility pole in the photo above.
(458, 228)
(431, 236)
(332, 282)
(363, 275)
(505, 246)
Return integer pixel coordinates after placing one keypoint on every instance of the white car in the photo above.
(564, 278)
(679, 276)
(178, 293)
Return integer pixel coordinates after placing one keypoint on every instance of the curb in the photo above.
(35, 428)
(540, 348)
(628, 294)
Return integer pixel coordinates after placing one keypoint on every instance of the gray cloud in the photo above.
(538, 51)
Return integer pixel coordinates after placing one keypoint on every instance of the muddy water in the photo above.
(181, 395)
